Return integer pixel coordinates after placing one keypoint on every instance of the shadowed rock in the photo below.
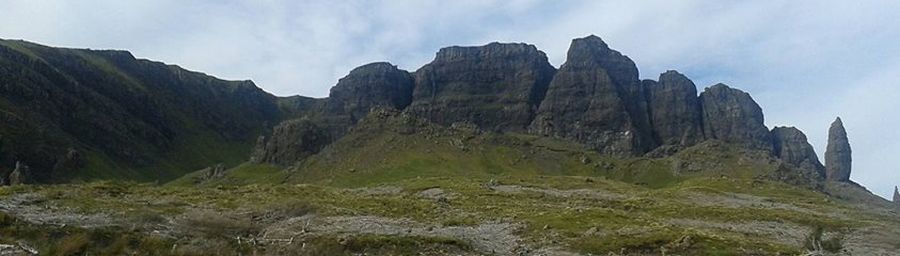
(365, 87)
(374, 85)
(732, 116)
(675, 112)
(596, 99)
(792, 147)
(292, 141)
(838, 154)
(496, 87)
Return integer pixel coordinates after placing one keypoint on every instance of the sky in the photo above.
(805, 62)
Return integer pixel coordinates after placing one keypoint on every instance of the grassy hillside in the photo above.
(447, 215)
(77, 114)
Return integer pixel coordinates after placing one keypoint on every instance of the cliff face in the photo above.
(791, 145)
(596, 99)
(496, 87)
(675, 111)
(123, 117)
(732, 116)
(379, 84)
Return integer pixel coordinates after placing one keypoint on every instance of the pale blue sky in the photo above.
(805, 62)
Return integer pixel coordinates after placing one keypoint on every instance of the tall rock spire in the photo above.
(896, 195)
(837, 155)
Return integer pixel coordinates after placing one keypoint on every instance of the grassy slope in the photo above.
(637, 222)
(196, 146)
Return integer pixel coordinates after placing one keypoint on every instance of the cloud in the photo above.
(804, 61)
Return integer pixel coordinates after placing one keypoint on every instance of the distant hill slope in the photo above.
(83, 114)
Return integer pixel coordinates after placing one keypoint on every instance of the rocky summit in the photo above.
(485, 150)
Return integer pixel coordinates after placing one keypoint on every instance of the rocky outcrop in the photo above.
(838, 154)
(675, 112)
(792, 147)
(318, 122)
(372, 85)
(496, 87)
(292, 141)
(732, 116)
(21, 175)
(596, 99)
(213, 172)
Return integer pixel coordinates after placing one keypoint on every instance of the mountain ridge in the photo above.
(595, 98)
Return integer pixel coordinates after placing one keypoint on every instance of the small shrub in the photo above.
(72, 245)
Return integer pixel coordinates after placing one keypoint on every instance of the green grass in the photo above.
(635, 223)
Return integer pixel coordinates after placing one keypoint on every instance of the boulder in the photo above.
(792, 147)
(21, 175)
(596, 99)
(496, 87)
(838, 154)
(731, 115)
(675, 112)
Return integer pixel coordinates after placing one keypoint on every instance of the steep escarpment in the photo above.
(732, 116)
(674, 110)
(497, 87)
(792, 147)
(596, 98)
(71, 113)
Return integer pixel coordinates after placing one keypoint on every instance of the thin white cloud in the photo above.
(804, 61)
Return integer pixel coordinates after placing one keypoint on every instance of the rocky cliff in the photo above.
(675, 112)
(595, 98)
(379, 84)
(792, 147)
(497, 86)
(732, 116)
